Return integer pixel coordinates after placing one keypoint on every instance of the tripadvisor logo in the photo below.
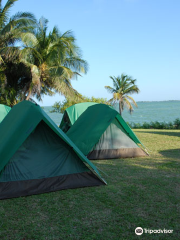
(138, 231)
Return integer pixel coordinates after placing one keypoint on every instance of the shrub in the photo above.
(177, 123)
(157, 125)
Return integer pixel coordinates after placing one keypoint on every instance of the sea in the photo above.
(162, 111)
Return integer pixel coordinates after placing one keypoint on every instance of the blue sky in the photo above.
(138, 37)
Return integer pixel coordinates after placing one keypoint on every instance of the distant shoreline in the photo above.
(161, 101)
(137, 102)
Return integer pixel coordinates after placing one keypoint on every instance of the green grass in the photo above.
(141, 192)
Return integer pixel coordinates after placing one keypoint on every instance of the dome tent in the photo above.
(72, 113)
(37, 157)
(101, 133)
(3, 111)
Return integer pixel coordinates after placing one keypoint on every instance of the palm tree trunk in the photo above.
(28, 96)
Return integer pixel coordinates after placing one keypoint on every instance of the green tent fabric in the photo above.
(100, 133)
(37, 157)
(72, 113)
(3, 111)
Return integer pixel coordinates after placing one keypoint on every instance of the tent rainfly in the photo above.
(3, 111)
(101, 133)
(37, 157)
(72, 113)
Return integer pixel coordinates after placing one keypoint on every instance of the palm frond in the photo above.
(131, 90)
(116, 83)
(28, 55)
(29, 39)
(10, 53)
(76, 64)
(110, 89)
(134, 102)
(129, 105)
(65, 88)
(4, 14)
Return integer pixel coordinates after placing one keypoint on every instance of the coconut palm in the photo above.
(12, 29)
(54, 59)
(123, 86)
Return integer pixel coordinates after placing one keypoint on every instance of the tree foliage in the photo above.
(12, 30)
(123, 86)
(54, 59)
(42, 63)
(60, 107)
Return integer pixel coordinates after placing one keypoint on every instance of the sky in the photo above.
(140, 38)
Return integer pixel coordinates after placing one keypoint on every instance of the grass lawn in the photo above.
(141, 192)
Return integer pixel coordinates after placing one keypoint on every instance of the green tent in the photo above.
(101, 133)
(37, 157)
(72, 113)
(3, 111)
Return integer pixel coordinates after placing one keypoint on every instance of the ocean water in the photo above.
(163, 111)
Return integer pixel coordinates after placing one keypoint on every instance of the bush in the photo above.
(60, 107)
(177, 123)
(146, 125)
(157, 125)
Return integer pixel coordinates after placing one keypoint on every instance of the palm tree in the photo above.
(12, 30)
(54, 59)
(123, 86)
